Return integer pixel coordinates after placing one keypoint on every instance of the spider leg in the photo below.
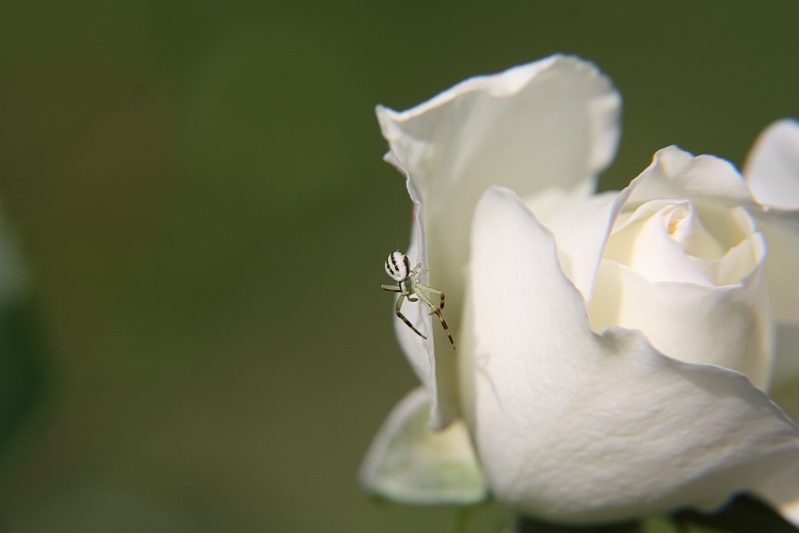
(434, 291)
(402, 317)
(437, 311)
(391, 288)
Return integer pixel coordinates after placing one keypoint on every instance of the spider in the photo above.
(399, 268)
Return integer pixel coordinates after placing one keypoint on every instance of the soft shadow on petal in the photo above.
(581, 233)
(416, 349)
(576, 427)
(772, 167)
(438, 375)
(408, 463)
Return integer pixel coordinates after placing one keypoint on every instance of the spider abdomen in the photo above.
(398, 266)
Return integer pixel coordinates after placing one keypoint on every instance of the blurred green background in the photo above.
(198, 192)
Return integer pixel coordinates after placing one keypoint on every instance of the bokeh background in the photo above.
(197, 192)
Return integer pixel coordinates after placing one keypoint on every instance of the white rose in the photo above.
(602, 338)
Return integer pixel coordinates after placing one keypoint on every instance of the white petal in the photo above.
(581, 233)
(408, 463)
(576, 427)
(552, 123)
(553, 201)
(772, 167)
(675, 173)
(781, 230)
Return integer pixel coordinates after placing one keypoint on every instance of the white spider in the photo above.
(399, 268)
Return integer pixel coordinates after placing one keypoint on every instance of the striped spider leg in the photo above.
(398, 266)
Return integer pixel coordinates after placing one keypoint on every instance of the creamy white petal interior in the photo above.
(688, 269)
(408, 463)
(715, 184)
(577, 427)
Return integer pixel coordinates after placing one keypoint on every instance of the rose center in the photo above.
(682, 224)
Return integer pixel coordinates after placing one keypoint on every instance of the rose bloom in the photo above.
(613, 348)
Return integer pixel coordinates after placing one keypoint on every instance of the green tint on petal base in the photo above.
(408, 463)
